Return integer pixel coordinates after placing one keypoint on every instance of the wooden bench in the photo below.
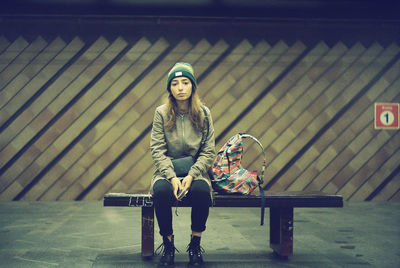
(281, 213)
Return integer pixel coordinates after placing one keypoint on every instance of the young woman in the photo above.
(182, 127)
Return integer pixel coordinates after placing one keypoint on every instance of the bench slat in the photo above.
(273, 199)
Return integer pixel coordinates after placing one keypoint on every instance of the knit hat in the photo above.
(181, 69)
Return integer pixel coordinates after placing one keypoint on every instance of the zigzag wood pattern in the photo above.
(75, 116)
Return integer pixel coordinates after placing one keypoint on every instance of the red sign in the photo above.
(386, 116)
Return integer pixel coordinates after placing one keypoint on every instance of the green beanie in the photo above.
(181, 69)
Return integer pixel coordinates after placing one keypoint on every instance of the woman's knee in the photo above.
(200, 190)
(162, 190)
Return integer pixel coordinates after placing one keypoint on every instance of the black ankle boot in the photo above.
(195, 251)
(168, 251)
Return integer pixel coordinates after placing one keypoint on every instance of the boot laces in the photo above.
(166, 249)
(195, 250)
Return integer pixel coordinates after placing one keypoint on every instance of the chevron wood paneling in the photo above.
(76, 113)
(4, 43)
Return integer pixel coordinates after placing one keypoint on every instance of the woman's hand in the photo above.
(186, 182)
(176, 185)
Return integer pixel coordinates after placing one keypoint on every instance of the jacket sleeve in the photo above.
(158, 147)
(207, 151)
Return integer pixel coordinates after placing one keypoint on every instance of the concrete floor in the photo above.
(86, 234)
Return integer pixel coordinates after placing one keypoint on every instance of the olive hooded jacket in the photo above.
(183, 140)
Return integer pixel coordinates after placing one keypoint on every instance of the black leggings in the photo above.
(200, 199)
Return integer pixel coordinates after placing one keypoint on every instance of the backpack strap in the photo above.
(260, 180)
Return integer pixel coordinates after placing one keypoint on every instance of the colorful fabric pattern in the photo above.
(229, 175)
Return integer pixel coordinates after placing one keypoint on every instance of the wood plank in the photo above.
(31, 113)
(62, 99)
(396, 197)
(361, 158)
(311, 164)
(196, 53)
(389, 190)
(377, 178)
(275, 58)
(241, 93)
(21, 61)
(139, 166)
(59, 61)
(276, 127)
(278, 92)
(373, 164)
(139, 58)
(142, 184)
(12, 191)
(111, 145)
(90, 105)
(12, 52)
(208, 58)
(350, 149)
(239, 55)
(66, 127)
(56, 51)
(210, 81)
(266, 63)
(98, 192)
(19, 90)
(4, 43)
(304, 129)
(251, 68)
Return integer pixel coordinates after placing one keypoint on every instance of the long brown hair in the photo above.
(196, 114)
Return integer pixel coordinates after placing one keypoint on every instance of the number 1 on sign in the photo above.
(387, 118)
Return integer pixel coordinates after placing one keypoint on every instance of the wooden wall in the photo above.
(76, 112)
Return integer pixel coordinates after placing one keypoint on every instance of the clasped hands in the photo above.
(178, 185)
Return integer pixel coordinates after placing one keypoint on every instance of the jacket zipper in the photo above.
(183, 131)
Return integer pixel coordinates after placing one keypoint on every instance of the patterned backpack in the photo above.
(228, 174)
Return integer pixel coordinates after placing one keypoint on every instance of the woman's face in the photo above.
(181, 88)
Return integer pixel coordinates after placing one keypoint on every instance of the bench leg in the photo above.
(281, 231)
(147, 231)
